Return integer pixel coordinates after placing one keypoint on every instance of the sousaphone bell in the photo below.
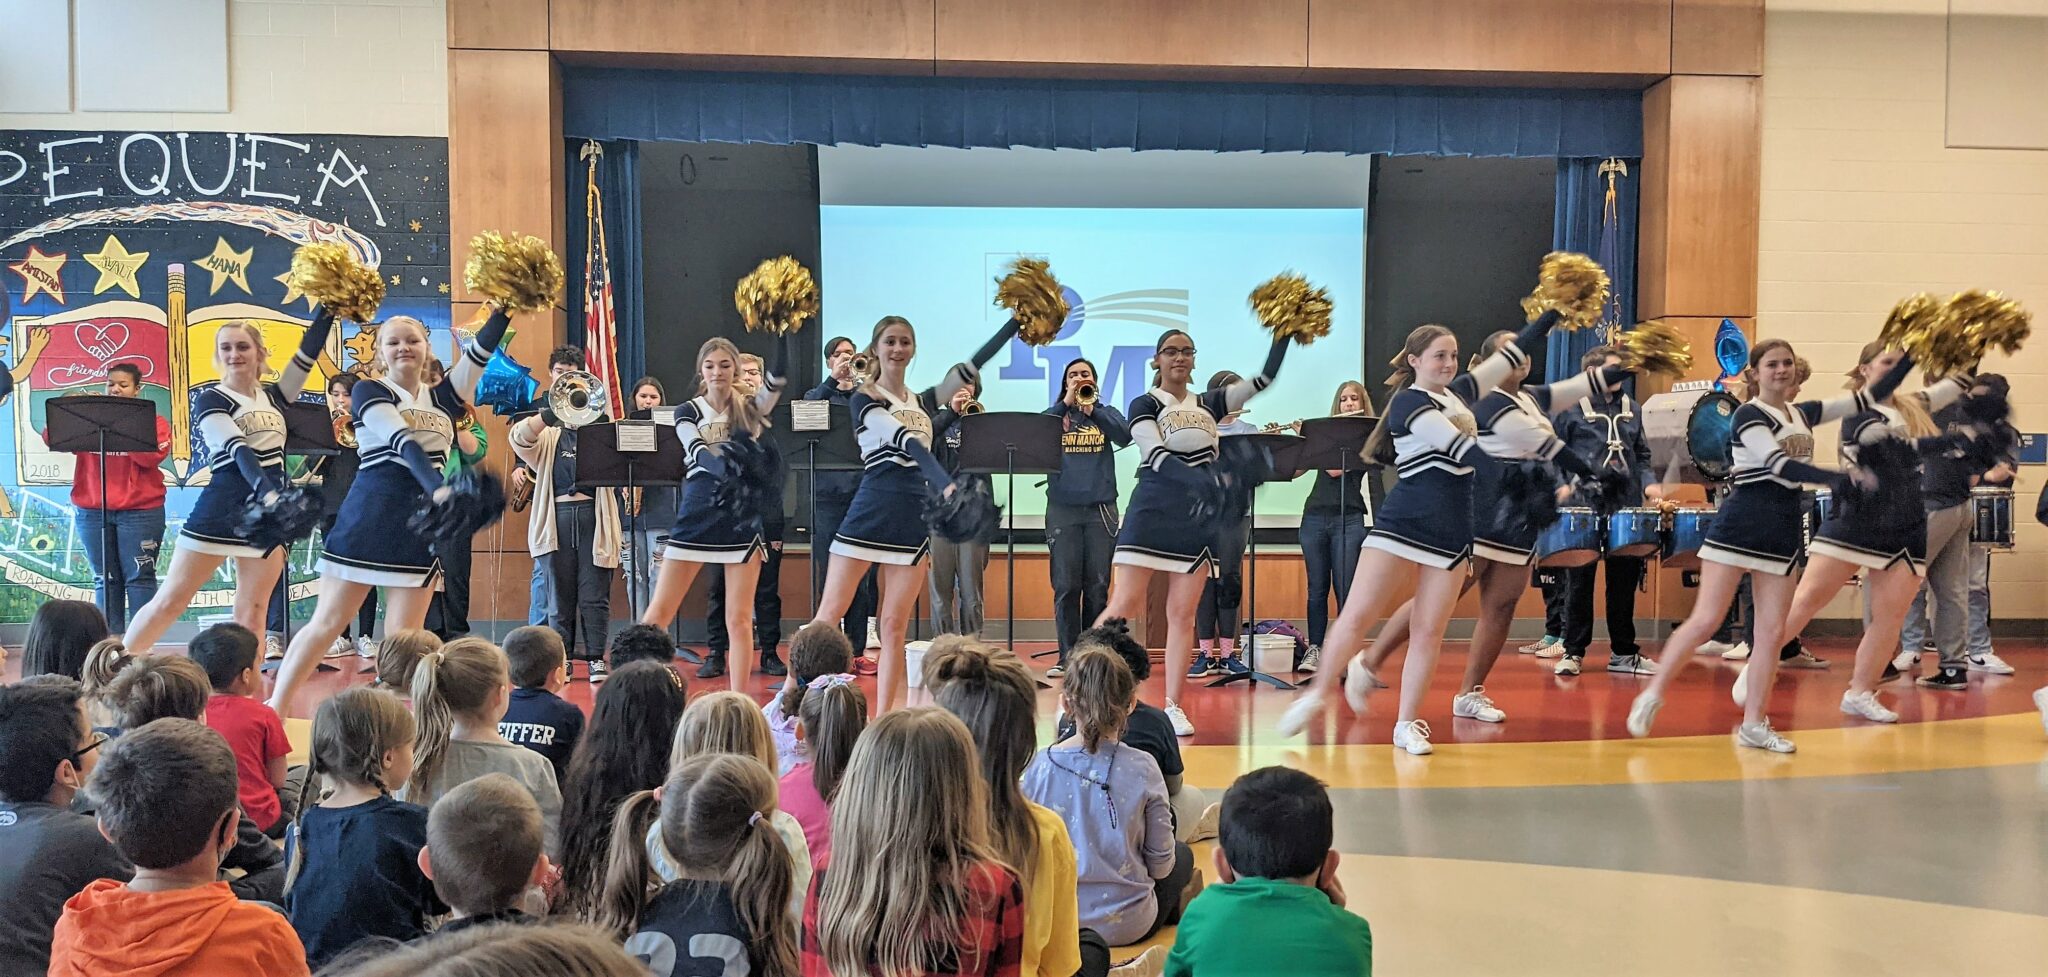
(577, 399)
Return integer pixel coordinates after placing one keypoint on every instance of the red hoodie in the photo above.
(110, 930)
(133, 479)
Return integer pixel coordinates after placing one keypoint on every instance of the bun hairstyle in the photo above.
(996, 697)
(815, 649)
(744, 414)
(106, 659)
(1099, 691)
(351, 733)
(1912, 408)
(458, 680)
(155, 687)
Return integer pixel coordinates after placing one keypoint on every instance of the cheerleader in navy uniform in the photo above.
(1423, 532)
(242, 422)
(1756, 531)
(884, 524)
(706, 532)
(404, 432)
(1174, 428)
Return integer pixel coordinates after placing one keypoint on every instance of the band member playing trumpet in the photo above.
(957, 568)
(835, 490)
(575, 528)
(1080, 504)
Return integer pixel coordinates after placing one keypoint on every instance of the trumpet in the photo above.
(1085, 395)
(578, 399)
(344, 431)
(863, 368)
(972, 407)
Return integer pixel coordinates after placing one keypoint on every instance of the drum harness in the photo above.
(1617, 452)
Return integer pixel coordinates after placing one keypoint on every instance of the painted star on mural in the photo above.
(117, 267)
(227, 265)
(415, 225)
(43, 273)
(291, 291)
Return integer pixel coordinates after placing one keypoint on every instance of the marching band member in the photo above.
(767, 600)
(958, 568)
(1329, 549)
(1958, 570)
(657, 504)
(835, 490)
(1080, 506)
(574, 530)
(125, 578)
(1603, 429)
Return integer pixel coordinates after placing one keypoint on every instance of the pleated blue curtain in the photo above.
(1590, 223)
(618, 180)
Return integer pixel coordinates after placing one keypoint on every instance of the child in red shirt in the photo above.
(228, 652)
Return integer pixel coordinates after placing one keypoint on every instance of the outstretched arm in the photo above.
(1493, 369)
(476, 354)
(293, 379)
(1240, 393)
(964, 373)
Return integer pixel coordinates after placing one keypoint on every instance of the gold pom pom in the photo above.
(1574, 285)
(1655, 347)
(1291, 308)
(777, 296)
(1988, 321)
(331, 276)
(517, 273)
(1909, 321)
(1034, 299)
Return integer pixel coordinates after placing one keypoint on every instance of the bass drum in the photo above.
(1710, 434)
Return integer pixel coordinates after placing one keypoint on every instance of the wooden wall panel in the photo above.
(507, 24)
(505, 167)
(1615, 37)
(885, 30)
(1209, 33)
(1701, 197)
(1717, 37)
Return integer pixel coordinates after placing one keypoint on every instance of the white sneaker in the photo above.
(1632, 665)
(1990, 664)
(1760, 736)
(1359, 681)
(1556, 650)
(1642, 713)
(1207, 825)
(1740, 690)
(874, 635)
(1712, 647)
(273, 648)
(1538, 645)
(1865, 704)
(1906, 661)
(1151, 963)
(1568, 665)
(1301, 712)
(1739, 653)
(1475, 705)
(1412, 737)
(2041, 703)
(1179, 719)
(1311, 660)
(365, 648)
(341, 648)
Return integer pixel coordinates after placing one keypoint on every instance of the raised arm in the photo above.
(293, 379)
(1564, 393)
(1240, 393)
(476, 354)
(1493, 369)
(525, 440)
(963, 373)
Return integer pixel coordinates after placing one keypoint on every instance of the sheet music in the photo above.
(665, 416)
(636, 436)
(810, 415)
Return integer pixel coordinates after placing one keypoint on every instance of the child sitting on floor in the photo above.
(1149, 730)
(813, 651)
(641, 642)
(483, 851)
(830, 721)
(728, 722)
(537, 718)
(458, 696)
(230, 654)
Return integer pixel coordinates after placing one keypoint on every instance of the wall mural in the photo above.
(135, 247)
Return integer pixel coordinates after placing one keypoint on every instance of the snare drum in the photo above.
(1573, 541)
(1635, 531)
(1991, 505)
(1683, 540)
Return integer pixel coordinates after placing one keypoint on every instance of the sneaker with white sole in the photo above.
(1865, 704)
(341, 648)
(1359, 681)
(1151, 963)
(1760, 736)
(1906, 661)
(1208, 824)
(1739, 653)
(1179, 719)
(1311, 660)
(1412, 738)
(1538, 646)
(1568, 665)
(366, 648)
(1301, 712)
(1712, 647)
(1631, 665)
(1475, 705)
(1057, 671)
(1990, 664)
(1554, 651)
(2041, 703)
(1642, 714)
(1803, 659)
(273, 648)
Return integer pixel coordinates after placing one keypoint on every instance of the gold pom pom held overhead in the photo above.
(517, 273)
(1034, 299)
(1571, 283)
(1906, 327)
(1655, 347)
(1290, 308)
(777, 296)
(1985, 321)
(331, 276)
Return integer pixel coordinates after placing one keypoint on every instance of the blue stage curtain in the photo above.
(1579, 226)
(685, 106)
(618, 179)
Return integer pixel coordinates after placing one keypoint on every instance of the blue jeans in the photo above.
(540, 599)
(1330, 551)
(131, 575)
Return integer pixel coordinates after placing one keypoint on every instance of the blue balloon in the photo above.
(506, 387)
(1731, 350)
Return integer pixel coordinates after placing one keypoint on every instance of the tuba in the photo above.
(578, 399)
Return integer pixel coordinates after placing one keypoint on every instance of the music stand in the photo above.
(308, 431)
(1272, 447)
(832, 449)
(99, 424)
(1010, 443)
(600, 461)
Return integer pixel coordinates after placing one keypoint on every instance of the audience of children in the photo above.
(1149, 730)
(484, 853)
(623, 750)
(537, 718)
(230, 654)
(728, 722)
(398, 657)
(813, 651)
(458, 695)
(831, 713)
(167, 800)
(641, 642)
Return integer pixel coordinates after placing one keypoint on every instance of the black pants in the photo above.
(583, 590)
(1167, 890)
(366, 615)
(1094, 955)
(767, 597)
(830, 513)
(448, 615)
(1081, 540)
(1224, 593)
(1551, 581)
(1624, 575)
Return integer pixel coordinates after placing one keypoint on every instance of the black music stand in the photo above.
(1271, 448)
(308, 431)
(1325, 443)
(1011, 443)
(601, 462)
(832, 450)
(102, 425)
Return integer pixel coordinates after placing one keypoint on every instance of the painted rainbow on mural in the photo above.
(290, 225)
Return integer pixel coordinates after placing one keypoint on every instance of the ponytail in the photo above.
(762, 884)
(628, 874)
(833, 719)
(435, 721)
(1379, 448)
(454, 681)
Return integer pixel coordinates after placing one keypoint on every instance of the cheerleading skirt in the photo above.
(1491, 537)
(707, 533)
(885, 521)
(1758, 527)
(210, 528)
(371, 543)
(1875, 548)
(1158, 533)
(1426, 519)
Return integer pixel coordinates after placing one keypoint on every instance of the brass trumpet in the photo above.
(972, 407)
(1085, 395)
(344, 431)
(578, 399)
(863, 367)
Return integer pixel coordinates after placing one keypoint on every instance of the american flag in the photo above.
(600, 319)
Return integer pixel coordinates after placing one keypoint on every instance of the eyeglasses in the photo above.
(1177, 351)
(99, 739)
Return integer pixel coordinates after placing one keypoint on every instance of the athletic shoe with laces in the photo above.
(341, 648)
(771, 664)
(2041, 703)
(874, 635)
(713, 667)
(1475, 705)
(598, 671)
(1230, 665)
(1803, 659)
(1906, 661)
(365, 648)
(1712, 647)
(1990, 664)
(1412, 738)
(1057, 671)
(1760, 736)
(1200, 667)
(1538, 645)
(1865, 704)
(1179, 719)
(273, 648)
(1951, 678)
(1554, 651)
(1631, 665)
(1311, 660)
(1568, 665)
(1151, 963)
(1359, 681)
(1642, 714)
(1301, 712)
(1891, 673)
(1739, 653)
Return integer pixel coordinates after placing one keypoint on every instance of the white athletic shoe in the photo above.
(1556, 650)
(341, 648)
(365, 648)
(1311, 660)
(273, 648)
(1740, 690)
(1632, 665)
(2041, 703)
(874, 635)
(1179, 719)
(1151, 963)
(1739, 653)
(1568, 665)
(1906, 661)
(1760, 736)
(1412, 737)
(1712, 647)
(1642, 714)
(1865, 704)
(1475, 705)
(1538, 645)
(1301, 712)
(1359, 681)
(1990, 664)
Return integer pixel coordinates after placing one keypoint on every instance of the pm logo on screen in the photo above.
(1116, 331)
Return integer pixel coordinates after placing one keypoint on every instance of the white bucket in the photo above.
(1273, 654)
(913, 659)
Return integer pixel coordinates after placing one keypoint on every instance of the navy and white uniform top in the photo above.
(1513, 427)
(1870, 539)
(702, 428)
(244, 438)
(885, 520)
(1177, 439)
(1758, 526)
(705, 532)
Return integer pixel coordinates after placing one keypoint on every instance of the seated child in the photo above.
(484, 851)
(398, 656)
(813, 651)
(458, 695)
(353, 874)
(230, 654)
(537, 718)
(729, 722)
(830, 721)
(1278, 898)
(1148, 729)
(167, 801)
(641, 642)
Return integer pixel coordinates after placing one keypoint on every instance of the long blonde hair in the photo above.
(399, 655)
(1912, 407)
(458, 680)
(740, 409)
(995, 696)
(874, 339)
(914, 787)
(723, 722)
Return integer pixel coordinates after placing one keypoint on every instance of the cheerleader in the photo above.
(706, 532)
(1514, 428)
(1175, 431)
(242, 422)
(1756, 531)
(1423, 532)
(404, 432)
(1887, 543)
(884, 526)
